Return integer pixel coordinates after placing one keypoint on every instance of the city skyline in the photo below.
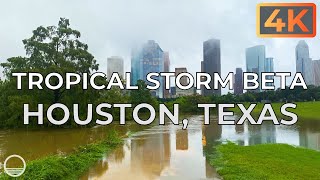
(169, 89)
(113, 27)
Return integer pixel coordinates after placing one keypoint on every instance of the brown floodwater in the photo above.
(156, 152)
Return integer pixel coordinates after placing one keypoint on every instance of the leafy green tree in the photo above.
(50, 49)
(53, 49)
(114, 96)
(142, 95)
(190, 103)
(249, 97)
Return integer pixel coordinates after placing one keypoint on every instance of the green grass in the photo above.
(70, 166)
(304, 110)
(266, 161)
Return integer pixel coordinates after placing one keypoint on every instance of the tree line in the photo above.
(189, 103)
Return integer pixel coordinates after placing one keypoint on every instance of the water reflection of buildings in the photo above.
(239, 129)
(306, 134)
(151, 155)
(182, 140)
(211, 134)
(246, 134)
(262, 134)
(172, 153)
(309, 136)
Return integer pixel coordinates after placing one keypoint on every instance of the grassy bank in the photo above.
(266, 161)
(304, 110)
(70, 166)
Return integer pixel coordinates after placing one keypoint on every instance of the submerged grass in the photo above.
(70, 166)
(265, 161)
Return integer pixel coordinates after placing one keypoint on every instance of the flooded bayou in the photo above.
(156, 152)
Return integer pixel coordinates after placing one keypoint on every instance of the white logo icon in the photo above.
(14, 172)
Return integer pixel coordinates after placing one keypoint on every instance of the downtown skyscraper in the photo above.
(166, 92)
(255, 61)
(183, 81)
(238, 81)
(268, 64)
(316, 68)
(115, 65)
(146, 59)
(269, 67)
(304, 63)
(211, 63)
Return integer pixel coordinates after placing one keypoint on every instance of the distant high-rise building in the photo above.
(156, 150)
(316, 67)
(202, 88)
(238, 83)
(166, 69)
(269, 65)
(115, 65)
(304, 63)
(183, 81)
(269, 68)
(146, 59)
(173, 92)
(255, 61)
(211, 63)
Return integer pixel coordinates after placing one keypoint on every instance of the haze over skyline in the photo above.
(113, 27)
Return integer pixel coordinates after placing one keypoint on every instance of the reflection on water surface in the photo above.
(156, 152)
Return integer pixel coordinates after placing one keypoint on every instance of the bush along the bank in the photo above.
(71, 166)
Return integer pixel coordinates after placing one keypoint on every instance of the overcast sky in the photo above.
(112, 27)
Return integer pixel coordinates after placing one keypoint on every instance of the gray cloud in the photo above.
(112, 27)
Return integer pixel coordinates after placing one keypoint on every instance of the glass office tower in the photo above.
(166, 93)
(238, 83)
(269, 68)
(146, 59)
(255, 61)
(211, 63)
(304, 63)
(316, 68)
